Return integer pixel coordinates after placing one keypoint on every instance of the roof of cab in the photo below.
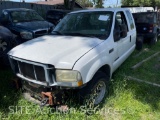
(101, 9)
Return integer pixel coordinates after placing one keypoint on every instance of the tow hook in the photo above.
(47, 98)
(44, 102)
(50, 98)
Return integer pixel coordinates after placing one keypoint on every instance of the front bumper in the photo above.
(38, 73)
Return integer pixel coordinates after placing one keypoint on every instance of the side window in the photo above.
(130, 20)
(121, 26)
(120, 19)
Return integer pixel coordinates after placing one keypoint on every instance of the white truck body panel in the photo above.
(84, 54)
(60, 51)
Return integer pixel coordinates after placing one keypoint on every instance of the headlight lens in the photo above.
(26, 35)
(67, 76)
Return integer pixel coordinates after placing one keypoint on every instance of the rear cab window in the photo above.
(131, 21)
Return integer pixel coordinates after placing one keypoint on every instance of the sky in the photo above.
(25, 0)
(112, 2)
(106, 2)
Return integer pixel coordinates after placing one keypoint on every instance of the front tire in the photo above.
(96, 90)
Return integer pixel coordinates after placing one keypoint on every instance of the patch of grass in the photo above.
(148, 71)
(128, 100)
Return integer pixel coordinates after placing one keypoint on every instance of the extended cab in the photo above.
(25, 23)
(85, 49)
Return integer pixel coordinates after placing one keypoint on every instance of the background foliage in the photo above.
(141, 2)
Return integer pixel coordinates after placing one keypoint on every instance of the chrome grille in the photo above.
(26, 70)
(40, 74)
(30, 71)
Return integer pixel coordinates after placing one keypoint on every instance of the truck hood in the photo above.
(34, 25)
(60, 51)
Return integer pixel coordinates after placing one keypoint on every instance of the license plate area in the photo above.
(33, 89)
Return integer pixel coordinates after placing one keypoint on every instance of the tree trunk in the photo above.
(69, 4)
(72, 4)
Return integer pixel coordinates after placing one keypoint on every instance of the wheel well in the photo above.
(106, 69)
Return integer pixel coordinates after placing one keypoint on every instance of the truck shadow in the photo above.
(147, 94)
(142, 92)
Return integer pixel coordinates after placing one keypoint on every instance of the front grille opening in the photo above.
(40, 73)
(27, 70)
(15, 66)
(51, 75)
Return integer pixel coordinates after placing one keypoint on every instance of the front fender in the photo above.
(95, 67)
(88, 68)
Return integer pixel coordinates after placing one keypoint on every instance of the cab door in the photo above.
(132, 29)
(121, 40)
(123, 43)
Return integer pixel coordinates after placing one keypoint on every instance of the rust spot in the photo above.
(49, 95)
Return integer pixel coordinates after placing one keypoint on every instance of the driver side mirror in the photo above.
(120, 32)
(124, 30)
(117, 35)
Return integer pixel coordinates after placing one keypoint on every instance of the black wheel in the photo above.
(4, 47)
(96, 90)
(139, 43)
(154, 40)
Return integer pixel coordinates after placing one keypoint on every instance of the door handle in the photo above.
(111, 50)
(130, 38)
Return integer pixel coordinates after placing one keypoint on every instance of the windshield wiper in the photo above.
(37, 20)
(57, 32)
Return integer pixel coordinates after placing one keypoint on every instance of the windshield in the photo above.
(25, 16)
(88, 24)
(144, 17)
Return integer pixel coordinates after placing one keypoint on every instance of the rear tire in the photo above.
(139, 43)
(154, 40)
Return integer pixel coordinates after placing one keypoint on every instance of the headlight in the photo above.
(26, 35)
(67, 76)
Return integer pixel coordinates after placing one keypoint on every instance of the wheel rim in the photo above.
(99, 92)
(3, 45)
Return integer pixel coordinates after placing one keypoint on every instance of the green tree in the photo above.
(85, 3)
(98, 3)
(69, 4)
(141, 2)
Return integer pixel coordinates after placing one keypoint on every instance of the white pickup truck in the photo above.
(85, 48)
